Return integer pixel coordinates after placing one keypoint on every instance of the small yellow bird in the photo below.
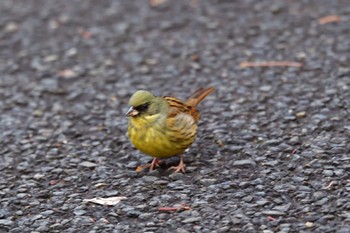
(163, 127)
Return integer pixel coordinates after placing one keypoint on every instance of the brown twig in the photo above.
(270, 218)
(171, 209)
(247, 64)
(329, 185)
(329, 19)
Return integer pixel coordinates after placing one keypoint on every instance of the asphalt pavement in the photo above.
(272, 153)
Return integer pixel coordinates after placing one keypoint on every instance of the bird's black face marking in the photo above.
(142, 108)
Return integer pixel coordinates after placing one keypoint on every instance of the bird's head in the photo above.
(144, 103)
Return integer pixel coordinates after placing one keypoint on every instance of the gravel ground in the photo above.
(273, 147)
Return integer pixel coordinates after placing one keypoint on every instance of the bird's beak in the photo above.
(132, 112)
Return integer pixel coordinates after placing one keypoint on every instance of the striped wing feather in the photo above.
(182, 118)
(177, 106)
(189, 107)
(181, 124)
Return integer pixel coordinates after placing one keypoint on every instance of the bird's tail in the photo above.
(199, 95)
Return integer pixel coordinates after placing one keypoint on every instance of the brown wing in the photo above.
(177, 106)
(189, 107)
(181, 125)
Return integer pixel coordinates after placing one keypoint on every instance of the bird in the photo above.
(164, 126)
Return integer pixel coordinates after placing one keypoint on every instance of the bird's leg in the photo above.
(155, 163)
(180, 167)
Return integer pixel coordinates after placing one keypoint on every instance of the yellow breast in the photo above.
(160, 137)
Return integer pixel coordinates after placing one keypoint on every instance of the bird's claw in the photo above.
(179, 168)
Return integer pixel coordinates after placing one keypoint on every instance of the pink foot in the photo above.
(180, 167)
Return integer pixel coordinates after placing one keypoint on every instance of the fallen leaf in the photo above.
(329, 19)
(105, 201)
(139, 169)
(247, 64)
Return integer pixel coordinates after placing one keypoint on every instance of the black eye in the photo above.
(142, 107)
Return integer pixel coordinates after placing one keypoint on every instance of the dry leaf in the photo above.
(329, 19)
(139, 169)
(105, 201)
